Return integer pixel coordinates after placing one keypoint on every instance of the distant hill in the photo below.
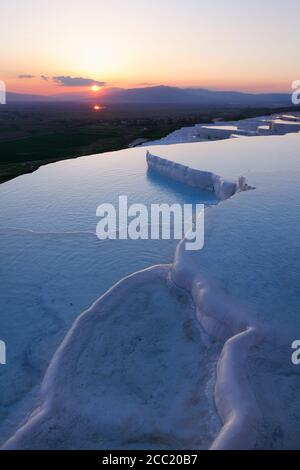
(25, 98)
(164, 95)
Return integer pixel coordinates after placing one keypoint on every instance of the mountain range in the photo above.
(161, 94)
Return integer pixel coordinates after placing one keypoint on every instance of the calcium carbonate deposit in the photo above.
(193, 350)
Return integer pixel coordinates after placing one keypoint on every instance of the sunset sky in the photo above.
(249, 45)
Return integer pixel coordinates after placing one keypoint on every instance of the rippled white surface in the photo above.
(252, 247)
(52, 264)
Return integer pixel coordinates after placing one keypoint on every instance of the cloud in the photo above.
(76, 81)
(43, 77)
(25, 75)
(145, 84)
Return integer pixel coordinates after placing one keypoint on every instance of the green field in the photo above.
(33, 135)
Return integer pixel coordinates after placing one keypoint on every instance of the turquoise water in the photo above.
(52, 264)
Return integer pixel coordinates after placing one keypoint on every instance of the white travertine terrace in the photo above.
(264, 125)
(207, 180)
(133, 369)
(282, 127)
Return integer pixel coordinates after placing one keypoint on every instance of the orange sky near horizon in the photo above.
(41, 87)
(248, 46)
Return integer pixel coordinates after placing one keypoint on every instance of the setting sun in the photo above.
(95, 88)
